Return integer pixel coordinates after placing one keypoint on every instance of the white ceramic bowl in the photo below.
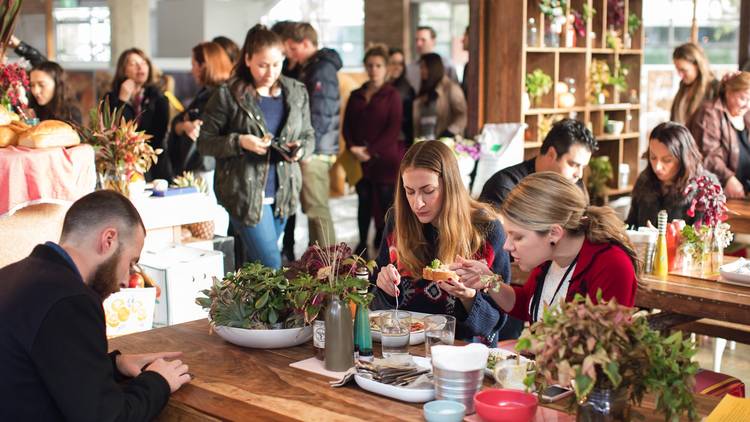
(737, 272)
(265, 339)
(614, 127)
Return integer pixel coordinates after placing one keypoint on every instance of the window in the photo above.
(668, 24)
(449, 19)
(83, 34)
(340, 24)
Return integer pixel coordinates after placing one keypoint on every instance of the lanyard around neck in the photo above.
(536, 303)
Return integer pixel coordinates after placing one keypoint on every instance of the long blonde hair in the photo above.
(462, 221)
(701, 88)
(546, 198)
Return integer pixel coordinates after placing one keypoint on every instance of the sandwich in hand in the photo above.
(438, 271)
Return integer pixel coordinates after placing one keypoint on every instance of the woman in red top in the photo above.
(372, 124)
(570, 248)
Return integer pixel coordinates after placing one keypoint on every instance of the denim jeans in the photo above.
(261, 240)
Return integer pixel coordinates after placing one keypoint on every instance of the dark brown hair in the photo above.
(122, 62)
(433, 34)
(58, 107)
(258, 39)
(681, 145)
(100, 207)
(435, 73)
(284, 29)
(216, 65)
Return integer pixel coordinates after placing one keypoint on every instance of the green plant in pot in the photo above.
(538, 84)
(324, 279)
(610, 356)
(600, 173)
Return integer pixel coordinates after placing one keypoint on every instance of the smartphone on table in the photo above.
(555, 393)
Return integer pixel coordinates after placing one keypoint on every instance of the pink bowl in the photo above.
(500, 405)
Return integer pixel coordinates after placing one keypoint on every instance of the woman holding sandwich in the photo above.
(569, 247)
(434, 218)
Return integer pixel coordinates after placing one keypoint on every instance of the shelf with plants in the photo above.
(589, 71)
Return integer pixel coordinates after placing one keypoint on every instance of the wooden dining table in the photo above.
(237, 383)
(739, 215)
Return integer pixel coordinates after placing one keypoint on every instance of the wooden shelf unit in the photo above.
(562, 63)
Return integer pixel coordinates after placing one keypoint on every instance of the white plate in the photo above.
(411, 395)
(730, 273)
(265, 339)
(415, 337)
(503, 354)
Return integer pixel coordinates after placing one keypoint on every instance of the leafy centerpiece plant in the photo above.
(709, 203)
(538, 84)
(608, 355)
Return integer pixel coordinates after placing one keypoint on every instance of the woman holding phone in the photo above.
(257, 126)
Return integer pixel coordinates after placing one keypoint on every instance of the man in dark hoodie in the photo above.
(53, 344)
(317, 70)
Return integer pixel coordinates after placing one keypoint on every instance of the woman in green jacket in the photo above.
(257, 126)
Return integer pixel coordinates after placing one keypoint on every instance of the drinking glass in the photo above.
(438, 329)
(394, 332)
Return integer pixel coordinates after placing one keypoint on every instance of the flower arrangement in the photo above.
(122, 152)
(604, 346)
(600, 75)
(324, 271)
(615, 13)
(461, 147)
(553, 8)
(14, 82)
(538, 84)
(708, 199)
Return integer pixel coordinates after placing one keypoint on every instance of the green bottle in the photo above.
(362, 333)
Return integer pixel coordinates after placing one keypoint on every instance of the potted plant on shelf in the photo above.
(324, 279)
(598, 79)
(554, 11)
(633, 24)
(256, 307)
(600, 173)
(123, 154)
(538, 84)
(608, 355)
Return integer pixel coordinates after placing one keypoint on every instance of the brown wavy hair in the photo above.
(546, 198)
(462, 221)
(122, 62)
(217, 66)
(700, 89)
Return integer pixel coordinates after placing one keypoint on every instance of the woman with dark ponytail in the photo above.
(48, 95)
(257, 126)
(569, 247)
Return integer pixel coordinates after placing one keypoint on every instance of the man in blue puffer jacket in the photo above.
(317, 70)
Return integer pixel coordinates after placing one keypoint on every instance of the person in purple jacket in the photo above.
(372, 123)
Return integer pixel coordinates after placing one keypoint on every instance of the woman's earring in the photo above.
(552, 243)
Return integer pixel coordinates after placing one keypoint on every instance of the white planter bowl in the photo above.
(265, 339)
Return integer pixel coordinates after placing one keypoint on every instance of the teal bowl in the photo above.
(444, 411)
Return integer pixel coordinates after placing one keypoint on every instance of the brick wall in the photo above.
(387, 21)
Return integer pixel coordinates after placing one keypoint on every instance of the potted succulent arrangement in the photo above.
(256, 306)
(324, 280)
(538, 84)
(123, 154)
(610, 356)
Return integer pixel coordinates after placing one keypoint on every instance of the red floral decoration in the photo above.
(14, 82)
(709, 199)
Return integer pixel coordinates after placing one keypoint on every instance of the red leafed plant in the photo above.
(121, 150)
(13, 83)
(708, 199)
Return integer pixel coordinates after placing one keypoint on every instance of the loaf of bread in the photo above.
(48, 134)
(9, 133)
(438, 274)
